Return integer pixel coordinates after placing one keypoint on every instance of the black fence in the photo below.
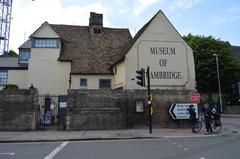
(52, 112)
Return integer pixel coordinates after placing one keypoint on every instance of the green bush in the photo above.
(10, 87)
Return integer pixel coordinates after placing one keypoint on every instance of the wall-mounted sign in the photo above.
(167, 60)
(180, 110)
(139, 105)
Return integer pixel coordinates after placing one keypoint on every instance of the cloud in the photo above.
(231, 14)
(29, 15)
(225, 19)
(141, 5)
(184, 4)
(119, 2)
(233, 9)
(122, 11)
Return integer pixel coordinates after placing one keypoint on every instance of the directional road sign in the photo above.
(180, 110)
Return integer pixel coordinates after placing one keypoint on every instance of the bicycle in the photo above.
(215, 124)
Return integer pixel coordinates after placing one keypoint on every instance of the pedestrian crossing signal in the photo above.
(141, 77)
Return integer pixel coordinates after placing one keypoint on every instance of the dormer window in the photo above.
(45, 43)
(24, 55)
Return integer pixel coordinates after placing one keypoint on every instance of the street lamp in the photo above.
(219, 84)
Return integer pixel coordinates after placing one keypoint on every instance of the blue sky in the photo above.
(219, 18)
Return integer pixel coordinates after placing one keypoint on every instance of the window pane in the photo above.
(83, 82)
(104, 84)
(24, 56)
(45, 43)
(3, 78)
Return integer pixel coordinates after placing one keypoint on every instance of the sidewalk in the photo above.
(38, 136)
(230, 115)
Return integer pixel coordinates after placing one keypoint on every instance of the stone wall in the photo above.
(18, 110)
(232, 109)
(102, 109)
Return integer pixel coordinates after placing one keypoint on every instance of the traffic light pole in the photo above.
(149, 101)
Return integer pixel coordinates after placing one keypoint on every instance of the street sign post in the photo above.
(180, 110)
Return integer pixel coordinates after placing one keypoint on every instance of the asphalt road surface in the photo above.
(207, 147)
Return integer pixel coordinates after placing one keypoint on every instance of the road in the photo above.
(207, 147)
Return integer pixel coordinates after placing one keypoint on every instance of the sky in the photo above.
(218, 18)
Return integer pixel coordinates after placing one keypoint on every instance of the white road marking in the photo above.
(185, 149)
(174, 143)
(54, 152)
(118, 140)
(7, 153)
(179, 145)
(182, 136)
(202, 157)
(29, 143)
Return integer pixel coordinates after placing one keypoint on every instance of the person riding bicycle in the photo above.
(216, 116)
(208, 117)
(192, 117)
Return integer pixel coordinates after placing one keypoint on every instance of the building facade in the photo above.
(59, 58)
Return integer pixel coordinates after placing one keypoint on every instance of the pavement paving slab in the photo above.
(38, 136)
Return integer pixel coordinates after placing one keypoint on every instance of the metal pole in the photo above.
(219, 84)
(149, 102)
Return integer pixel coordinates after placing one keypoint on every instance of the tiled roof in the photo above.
(92, 54)
(26, 45)
(11, 63)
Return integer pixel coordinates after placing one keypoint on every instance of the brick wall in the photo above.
(102, 109)
(18, 110)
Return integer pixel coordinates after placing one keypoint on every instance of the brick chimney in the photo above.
(96, 23)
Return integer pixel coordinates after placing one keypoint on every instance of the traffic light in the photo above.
(141, 77)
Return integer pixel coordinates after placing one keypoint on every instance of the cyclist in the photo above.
(208, 117)
(192, 117)
(216, 115)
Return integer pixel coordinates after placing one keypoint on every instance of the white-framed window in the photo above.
(45, 43)
(104, 83)
(3, 77)
(83, 82)
(24, 55)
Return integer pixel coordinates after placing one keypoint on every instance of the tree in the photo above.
(205, 63)
(12, 53)
(11, 87)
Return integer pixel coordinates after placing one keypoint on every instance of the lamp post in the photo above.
(219, 84)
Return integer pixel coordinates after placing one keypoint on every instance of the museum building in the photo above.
(58, 58)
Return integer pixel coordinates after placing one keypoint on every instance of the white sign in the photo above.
(139, 105)
(169, 63)
(63, 104)
(180, 110)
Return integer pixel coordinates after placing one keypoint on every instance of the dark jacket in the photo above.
(208, 113)
(192, 113)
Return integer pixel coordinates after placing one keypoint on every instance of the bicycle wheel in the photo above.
(197, 126)
(216, 128)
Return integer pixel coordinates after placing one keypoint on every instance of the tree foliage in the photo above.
(10, 87)
(12, 53)
(206, 67)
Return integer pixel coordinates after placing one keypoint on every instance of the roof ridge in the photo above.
(66, 25)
